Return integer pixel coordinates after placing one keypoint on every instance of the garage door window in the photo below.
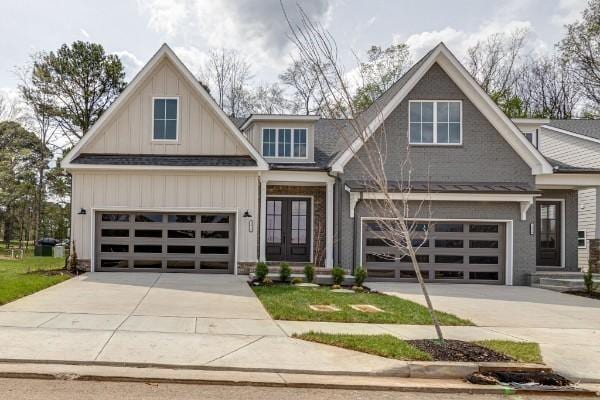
(449, 259)
(115, 232)
(148, 233)
(483, 228)
(182, 219)
(181, 249)
(114, 248)
(449, 227)
(449, 244)
(181, 234)
(483, 260)
(147, 248)
(148, 218)
(483, 244)
(215, 219)
(115, 217)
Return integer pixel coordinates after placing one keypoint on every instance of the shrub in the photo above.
(261, 271)
(296, 281)
(337, 274)
(588, 280)
(360, 274)
(285, 272)
(335, 287)
(267, 282)
(309, 273)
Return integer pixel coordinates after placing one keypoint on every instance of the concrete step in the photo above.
(538, 275)
(556, 288)
(571, 283)
(319, 278)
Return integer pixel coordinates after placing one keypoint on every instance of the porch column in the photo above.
(263, 219)
(329, 226)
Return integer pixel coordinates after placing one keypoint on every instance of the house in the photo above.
(165, 181)
(573, 146)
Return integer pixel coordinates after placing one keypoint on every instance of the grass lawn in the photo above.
(380, 345)
(521, 351)
(292, 303)
(19, 278)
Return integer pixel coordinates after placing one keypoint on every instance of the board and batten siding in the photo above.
(200, 130)
(168, 191)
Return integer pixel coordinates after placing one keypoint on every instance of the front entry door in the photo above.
(549, 220)
(288, 229)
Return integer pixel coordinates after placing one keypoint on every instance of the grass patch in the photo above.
(292, 303)
(19, 278)
(520, 351)
(380, 345)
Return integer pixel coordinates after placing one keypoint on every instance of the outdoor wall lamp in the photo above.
(82, 212)
(247, 214)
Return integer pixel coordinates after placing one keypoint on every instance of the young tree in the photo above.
(381, 69)
(81, 81)
(582, 46)
(316, 47)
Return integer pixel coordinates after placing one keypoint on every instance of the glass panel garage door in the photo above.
(460, 252)
(165, 242)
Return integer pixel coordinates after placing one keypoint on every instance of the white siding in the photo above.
(166, 191)
(200, 131)
(569, 149)
(587, 221)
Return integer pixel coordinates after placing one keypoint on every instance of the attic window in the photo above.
(435, 122)
(284, 142)
(164, 123)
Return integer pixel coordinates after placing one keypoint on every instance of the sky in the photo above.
(135, 29)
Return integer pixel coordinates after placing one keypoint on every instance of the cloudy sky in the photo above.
(135, 29)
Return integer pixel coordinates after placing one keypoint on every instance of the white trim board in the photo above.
(457, 72)
(274, 117)
(165, 52)
(509, 252)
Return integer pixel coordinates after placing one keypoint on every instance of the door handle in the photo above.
(283, 238)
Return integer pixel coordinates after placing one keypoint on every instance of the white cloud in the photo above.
(131, 63)
(165, 16)
(84, 33)
(568, 11)
(192, 57)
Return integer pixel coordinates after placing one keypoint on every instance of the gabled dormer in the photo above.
(282, 139)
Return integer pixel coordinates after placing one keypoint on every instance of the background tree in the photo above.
(381, 69)
(581, 46)
(80, 82)
(302, 79)
(268, 99)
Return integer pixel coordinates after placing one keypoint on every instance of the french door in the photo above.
(288, 229)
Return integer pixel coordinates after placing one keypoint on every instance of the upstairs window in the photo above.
(164, 126)
(435, 122)
(284, 142)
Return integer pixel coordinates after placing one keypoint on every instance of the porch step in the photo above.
(319, 278)
(537, 276)
(563, 284)
(552, 287)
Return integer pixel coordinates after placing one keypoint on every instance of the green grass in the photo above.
(19, 278)
(380, 345)
(292, 303)
(520, 351)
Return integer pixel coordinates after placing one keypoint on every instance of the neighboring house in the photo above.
(572, 146)
(165, 181)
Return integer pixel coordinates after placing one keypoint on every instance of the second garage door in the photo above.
(460, 252)
(165, 242)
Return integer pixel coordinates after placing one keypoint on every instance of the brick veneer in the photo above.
(594, 254)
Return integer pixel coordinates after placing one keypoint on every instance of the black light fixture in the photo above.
(82, 212)
(247, 214)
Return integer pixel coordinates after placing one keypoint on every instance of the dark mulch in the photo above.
(520, 378)
(593, 295)
(456, 350)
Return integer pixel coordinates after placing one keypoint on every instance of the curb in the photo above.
(266, 379)
(410, 369)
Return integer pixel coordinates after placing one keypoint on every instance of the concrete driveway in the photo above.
(567, 327)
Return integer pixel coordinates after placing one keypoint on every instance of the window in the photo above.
(435, 122)
(284, 142)
(165, 119)
(581, 242)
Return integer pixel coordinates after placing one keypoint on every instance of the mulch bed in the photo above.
(51, 272)
(456, 350)
(593, 295)
(540, 378)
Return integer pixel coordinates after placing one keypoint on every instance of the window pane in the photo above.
(114, 263)
(427, 133)
(299, 142)
(171, 109)
(442, 132)
(449, 228)
(483, 260)
(285, 143)
(487, 276)
(483, 244)
(159, 129)
(442, 111)
(115, 232)
(171, 129)
(449, 243)
(415, 112)
(115, 217)
(427, 112)
(449, 274)
(114, 248)
(215, 235)
(182, 234)
(269, 142)
(415, 132)
(159, 108)
(448, 259)
(147, 248)
(214, 249)
(148, 233)
(148, 218)
(181, 249)
(454, 133)
(483, 228)
(147, 264)
(454, 111)
(214, 219)
(182, 218)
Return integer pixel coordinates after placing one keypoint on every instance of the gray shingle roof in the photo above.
(444, 187)
(586, 127)
(166, 160)
(562, 167)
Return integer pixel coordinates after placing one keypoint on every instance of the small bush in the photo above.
(337, 274)
(267, 282)
(358, 289)
(296, 281)
(335, 287)
(588, 280)
(261, 271)
(285, 272)
(309, 273)
(360, 274)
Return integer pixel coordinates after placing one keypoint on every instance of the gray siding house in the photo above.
(165, 181)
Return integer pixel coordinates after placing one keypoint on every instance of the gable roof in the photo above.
(375, 115)
(165, 52)
(583, 128)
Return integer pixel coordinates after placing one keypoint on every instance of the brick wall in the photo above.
(594, 245)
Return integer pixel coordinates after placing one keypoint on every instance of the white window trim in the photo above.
(435, 142)
(584, 239)
(166, 141)
(277, 143)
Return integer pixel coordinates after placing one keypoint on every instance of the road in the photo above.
(30, 389)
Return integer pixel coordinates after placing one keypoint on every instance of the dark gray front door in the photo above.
(288, 229)
(165, 242)
(549, 220)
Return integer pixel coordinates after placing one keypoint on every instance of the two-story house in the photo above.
(165, 181)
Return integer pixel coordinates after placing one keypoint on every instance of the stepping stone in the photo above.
(323, 308)
(366, 308)
(306, 284)
(342, 291)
